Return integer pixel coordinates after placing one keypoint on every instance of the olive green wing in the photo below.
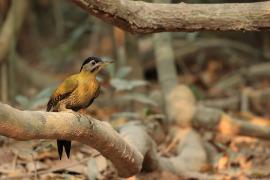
(63, 91)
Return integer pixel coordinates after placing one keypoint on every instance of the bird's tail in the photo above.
(61, 144)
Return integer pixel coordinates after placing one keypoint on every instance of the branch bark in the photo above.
(143, 17)
(28, 125)
(128, 149)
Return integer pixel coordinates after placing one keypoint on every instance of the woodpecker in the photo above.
(75, 93)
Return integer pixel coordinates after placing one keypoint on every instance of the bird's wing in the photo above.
(95, 95)
(63, 91)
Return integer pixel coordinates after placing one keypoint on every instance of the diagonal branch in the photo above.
(127, 150)
(28, 125)
(143, 17)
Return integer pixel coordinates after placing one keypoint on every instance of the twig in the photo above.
(245, 100)
(35, 166)
(233, 102)
(14, 163)
(215, 119)
(241, 75)
(4, 82)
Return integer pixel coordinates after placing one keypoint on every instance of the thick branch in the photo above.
(28, 125)
(189, 149)
(143, 17)
(126, 150)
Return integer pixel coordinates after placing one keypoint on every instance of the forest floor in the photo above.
(230, 157)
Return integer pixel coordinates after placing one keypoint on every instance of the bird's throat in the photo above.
(88, 74)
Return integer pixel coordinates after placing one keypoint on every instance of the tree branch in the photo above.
(240, 76)
(215, 119)
(143, 17)
(126, 150)
(133, 147)
(28, 125)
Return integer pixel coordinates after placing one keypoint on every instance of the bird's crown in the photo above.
(92, 60)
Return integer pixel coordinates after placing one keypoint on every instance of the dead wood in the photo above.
(228, 103)
(144, 17)
(233, 102)
(241, 75)
(215, 119)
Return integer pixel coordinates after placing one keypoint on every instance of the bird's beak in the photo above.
(106, 62)
(109, 61)
(103, 64)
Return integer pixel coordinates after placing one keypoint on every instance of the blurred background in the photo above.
(44, 41)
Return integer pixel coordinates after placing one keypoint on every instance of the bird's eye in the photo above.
(93, 62)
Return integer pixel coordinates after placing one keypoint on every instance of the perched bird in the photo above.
(76, 92)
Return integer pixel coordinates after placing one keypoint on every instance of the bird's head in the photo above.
(93, 64)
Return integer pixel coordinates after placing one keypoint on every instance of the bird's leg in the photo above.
(62, 107)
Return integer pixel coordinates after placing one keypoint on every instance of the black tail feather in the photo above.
(63, 144)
